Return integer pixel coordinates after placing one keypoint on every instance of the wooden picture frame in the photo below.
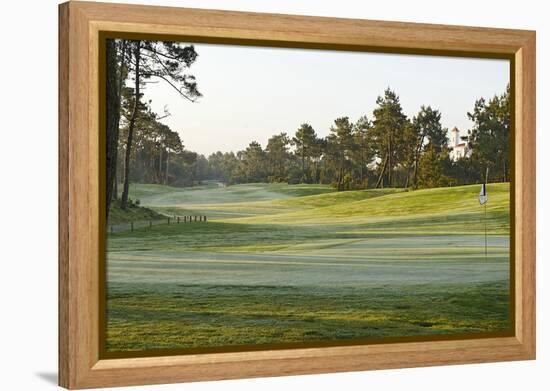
(80, 244)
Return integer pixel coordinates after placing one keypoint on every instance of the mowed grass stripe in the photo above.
(350, 254)
(120, 262)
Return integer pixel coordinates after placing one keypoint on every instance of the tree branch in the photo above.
(171, 84)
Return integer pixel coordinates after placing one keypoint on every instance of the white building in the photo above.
(459, 149)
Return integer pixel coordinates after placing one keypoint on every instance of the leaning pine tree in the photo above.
(167, 61)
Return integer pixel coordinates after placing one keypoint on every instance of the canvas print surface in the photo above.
(271, 197)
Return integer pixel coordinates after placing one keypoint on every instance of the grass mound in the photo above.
(394, 205)
(132, 213)
(335, 198)
(251, 200)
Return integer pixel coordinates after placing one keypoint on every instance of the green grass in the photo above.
(215, 193)
(397, 206)
(453, 209)
(278, 263)
(202, 315)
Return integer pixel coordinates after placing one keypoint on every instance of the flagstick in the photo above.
(485, 232)
(486, 178)
(483, 201)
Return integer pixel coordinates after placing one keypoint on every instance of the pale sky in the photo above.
(251, 93)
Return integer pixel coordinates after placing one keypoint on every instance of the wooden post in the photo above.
(205, 219)
(195, 218)
(132, 226)
(178, 219)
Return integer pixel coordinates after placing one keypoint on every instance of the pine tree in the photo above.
(277, 157)
(167, 61)
(363, 151)
(389, 122)
(489, 138)
(304, 140)
(431, 168)
(342, 130)
(427, 126)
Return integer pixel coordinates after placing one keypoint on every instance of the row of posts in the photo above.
(170, 220)
(189, 219)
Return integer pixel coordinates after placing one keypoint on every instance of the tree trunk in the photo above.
(150, 173)
(322, 171)
(167, 166)
(131, 126)
(381, 173)
(121, 74)
(113, 119)
(416, 161)
(159, 171)
(303, 163)
(318, 169)
(115, 186)
(389, 162)
(415, 175)
(362, 163)
(341, 173)
(408, 176)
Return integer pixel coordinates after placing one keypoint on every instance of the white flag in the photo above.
(483, 195)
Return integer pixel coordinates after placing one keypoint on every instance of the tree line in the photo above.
(385, 149)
